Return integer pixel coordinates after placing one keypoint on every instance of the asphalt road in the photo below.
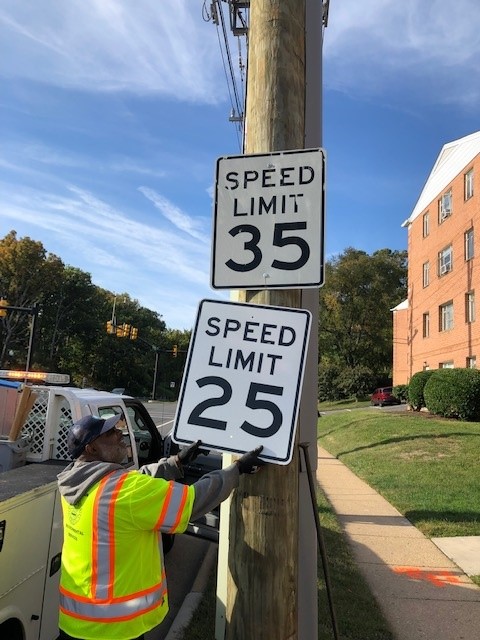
(163, 414)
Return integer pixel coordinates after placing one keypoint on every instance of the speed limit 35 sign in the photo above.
(243, 377)
(269, 221)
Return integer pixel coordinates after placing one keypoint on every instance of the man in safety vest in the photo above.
(113, 584)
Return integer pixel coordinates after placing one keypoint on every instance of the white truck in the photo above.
(30, 513)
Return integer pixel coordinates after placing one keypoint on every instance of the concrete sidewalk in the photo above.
(423, 594)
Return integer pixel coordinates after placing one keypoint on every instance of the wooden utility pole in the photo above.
(262, 582)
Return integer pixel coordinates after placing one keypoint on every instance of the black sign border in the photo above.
(262, 285)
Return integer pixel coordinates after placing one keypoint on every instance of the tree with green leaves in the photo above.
(355, 319)
(28, 275)
(71, 325)
(69, 319)
(123, 361)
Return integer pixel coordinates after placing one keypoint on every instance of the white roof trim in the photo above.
(402, 305)
(453, 157)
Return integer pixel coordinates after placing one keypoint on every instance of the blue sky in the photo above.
(113, 114)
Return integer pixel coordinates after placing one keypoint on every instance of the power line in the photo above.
(233, 78)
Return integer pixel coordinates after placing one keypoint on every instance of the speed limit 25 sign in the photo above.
(243, 378)
(269, 221)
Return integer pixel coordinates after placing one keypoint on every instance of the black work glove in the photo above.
(249, 462)
(188, 454)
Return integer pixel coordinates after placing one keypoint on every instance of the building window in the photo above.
(426, 274)
(426, 325)
(446, 365)
(445, 316)
(445, 260)
(471, 362)
(469, 251)
(470, 306)
(426, 224)
(445, 206)
(468, 182)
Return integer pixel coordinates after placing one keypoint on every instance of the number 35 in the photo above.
(279, 240)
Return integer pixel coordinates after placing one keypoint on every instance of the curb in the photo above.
(192, 600)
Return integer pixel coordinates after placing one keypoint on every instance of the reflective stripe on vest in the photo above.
(103, 560)
(172, 507)
(114, 610)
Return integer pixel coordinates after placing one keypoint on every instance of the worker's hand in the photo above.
(249, 462)
(188, 454)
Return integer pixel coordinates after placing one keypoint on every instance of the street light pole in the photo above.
(155, 375)
(33, 318)
(32, 312)
(114, 320)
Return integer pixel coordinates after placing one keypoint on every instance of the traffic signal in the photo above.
(174, 350)
(133, 333)
(110, 327)
(126, 330)
(3, 305)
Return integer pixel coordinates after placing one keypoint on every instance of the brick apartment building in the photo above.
(436, 326)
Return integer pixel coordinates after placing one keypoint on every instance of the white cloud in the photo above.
(113, 45)
(41, 154)
(112, 238)
(22, 157)
(167, 270)
(382, 45)
(177, 217)
(126, 165)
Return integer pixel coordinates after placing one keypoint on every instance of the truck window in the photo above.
(143, 438)
(107, 412)
(148, 439)
(147, 450)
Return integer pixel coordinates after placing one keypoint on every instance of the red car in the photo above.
(383, 396)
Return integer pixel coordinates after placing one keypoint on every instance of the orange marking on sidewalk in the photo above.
(437, 578)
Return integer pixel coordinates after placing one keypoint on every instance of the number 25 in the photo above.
(252, 402)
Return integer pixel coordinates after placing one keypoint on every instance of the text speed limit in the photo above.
(243, 378)
(269, 221)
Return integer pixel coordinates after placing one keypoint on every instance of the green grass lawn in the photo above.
(426, 467)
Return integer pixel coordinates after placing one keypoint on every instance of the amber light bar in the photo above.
(38, 376)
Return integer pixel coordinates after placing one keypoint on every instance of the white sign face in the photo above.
(269, 221)
(243, 378)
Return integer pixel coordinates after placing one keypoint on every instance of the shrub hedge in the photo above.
(454, 393)
(415, 389)
(401, 392)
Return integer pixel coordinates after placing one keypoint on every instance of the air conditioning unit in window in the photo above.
(444, 268)
(444, 213)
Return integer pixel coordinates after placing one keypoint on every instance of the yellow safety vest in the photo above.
(113, 583)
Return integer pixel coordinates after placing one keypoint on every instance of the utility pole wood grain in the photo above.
(263, 549)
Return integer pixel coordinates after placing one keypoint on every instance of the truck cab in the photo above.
(55, 409)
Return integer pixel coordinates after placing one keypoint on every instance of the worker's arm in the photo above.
(172, 468)
(213, 488)
(166, 468)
